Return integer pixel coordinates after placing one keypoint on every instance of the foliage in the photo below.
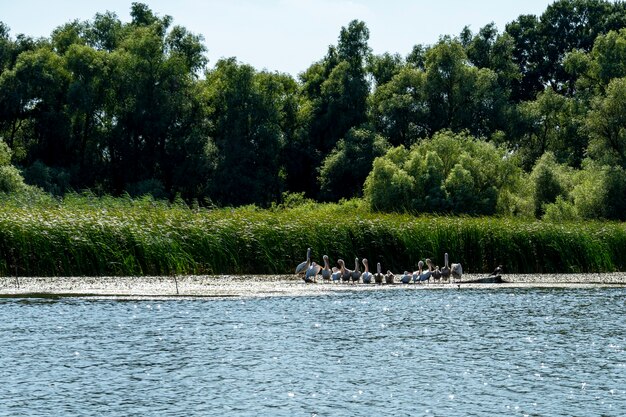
(449, 173)
(85, 235)
(133, 108)
(344, 170)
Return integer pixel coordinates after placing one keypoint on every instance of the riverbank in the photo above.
(226, 286)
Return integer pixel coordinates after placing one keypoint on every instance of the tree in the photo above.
(245, 114)
(447, 173)
(334, 100)
(399, 108)
(606, 124)
(10, 178)
(344, 170)
(551, 123)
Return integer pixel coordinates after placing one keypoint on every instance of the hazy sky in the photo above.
(284, 35)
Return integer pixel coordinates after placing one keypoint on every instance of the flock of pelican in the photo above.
(310, 271)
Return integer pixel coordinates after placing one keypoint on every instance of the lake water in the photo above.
(535, 352)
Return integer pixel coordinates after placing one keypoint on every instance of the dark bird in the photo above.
(356, 274)
(445, 270)
(378, 276)
(345, 272)
(497, 271)
(390, 277)
(437, 274)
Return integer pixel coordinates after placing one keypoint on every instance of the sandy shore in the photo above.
(224, 286)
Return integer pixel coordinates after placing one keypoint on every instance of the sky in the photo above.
(284, 35)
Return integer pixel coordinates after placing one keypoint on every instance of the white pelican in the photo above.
(302, 267)
(326, 271)
(367, 275)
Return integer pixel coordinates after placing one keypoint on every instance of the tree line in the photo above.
(529, 121)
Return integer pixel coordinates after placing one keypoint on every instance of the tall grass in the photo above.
(84, 235)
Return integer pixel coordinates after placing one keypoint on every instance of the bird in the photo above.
(389, 277)
(497, 271)
(302, 267)
(445, 270)
(326, 271)
(457, 271)
(421, 275)
(356, 274)
(336, 275)
(406, 277)
(345, 272)
(311, 273)
(367, 275)
(437, 274)
(378, 276)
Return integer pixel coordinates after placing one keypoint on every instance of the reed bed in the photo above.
(88, 236)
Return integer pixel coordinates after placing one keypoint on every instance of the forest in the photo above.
(529, 121)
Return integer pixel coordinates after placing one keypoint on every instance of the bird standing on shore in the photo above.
(326, 271)
(302, 267)
(378, 276)
(457, 271)
(311, 272)
(437, 274)
(345, 272)
(445, 270)
(356, 274)
(367, 275)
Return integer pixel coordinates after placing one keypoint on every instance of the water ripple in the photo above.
(440, 353)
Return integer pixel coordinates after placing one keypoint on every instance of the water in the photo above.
(535, 352)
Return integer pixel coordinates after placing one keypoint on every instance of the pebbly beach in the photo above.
(226, 286)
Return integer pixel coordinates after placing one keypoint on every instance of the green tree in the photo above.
(334, 99)
(447, 173)
(344, 170)
(551, 123)
(245, 114)
(399, 108)
(606, 124)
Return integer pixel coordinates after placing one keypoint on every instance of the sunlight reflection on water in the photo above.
(480, 352)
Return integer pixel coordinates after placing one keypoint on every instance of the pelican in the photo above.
(457, 271)
(345, 273)
(406, 277)
(311, 273)
(420, 274)
(356, 274)
(301, 268)
(326, 271)
(378, 276)
(445, 270)
(336, 275)
(437, 274)
(367, 275)
(389, 277)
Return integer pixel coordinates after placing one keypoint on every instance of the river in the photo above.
(510, 351)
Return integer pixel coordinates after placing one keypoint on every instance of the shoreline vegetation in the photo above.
(84, 235)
